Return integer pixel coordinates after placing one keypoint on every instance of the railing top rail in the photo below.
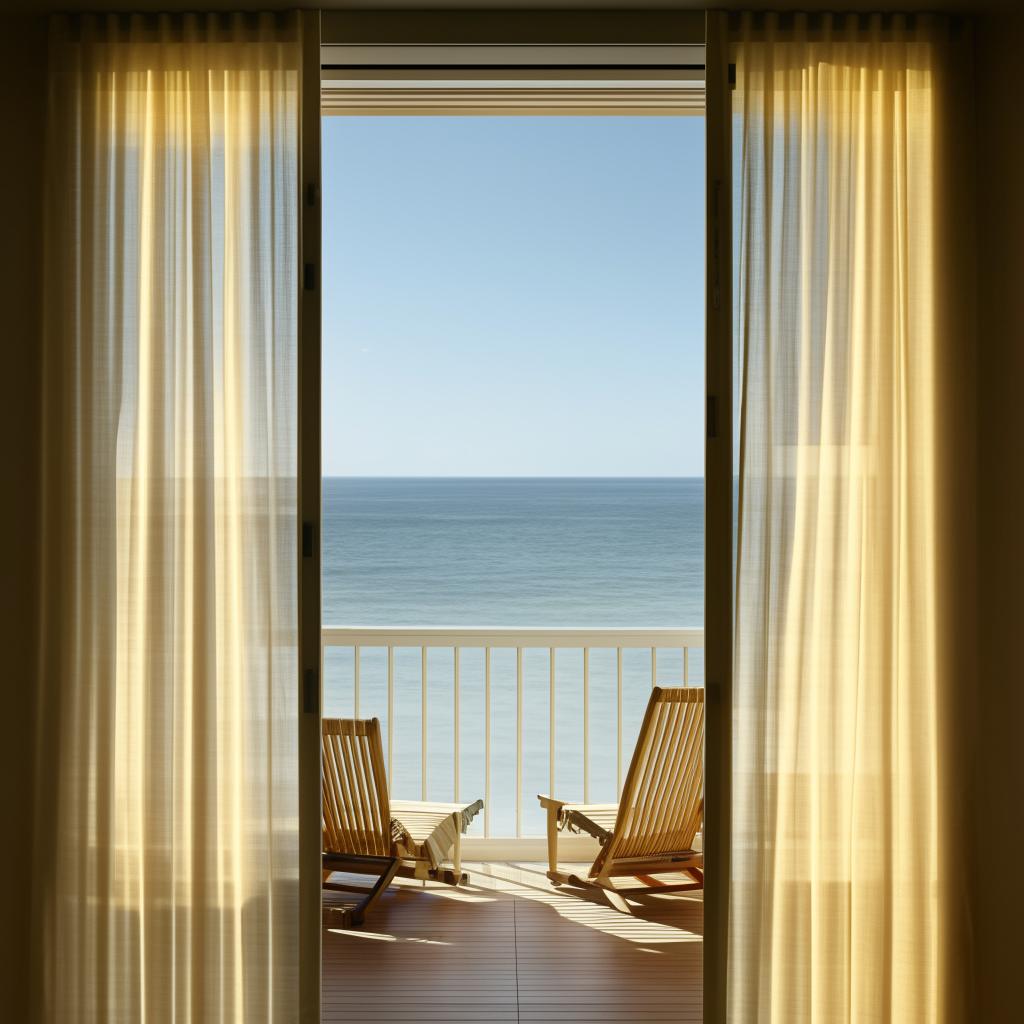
(512, 636)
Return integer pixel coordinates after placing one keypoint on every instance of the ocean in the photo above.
(573, 552)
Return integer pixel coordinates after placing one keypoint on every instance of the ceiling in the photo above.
(44, 6)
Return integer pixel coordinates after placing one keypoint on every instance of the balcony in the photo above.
(502, 714)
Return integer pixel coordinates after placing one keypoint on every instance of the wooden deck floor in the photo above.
(510, 947)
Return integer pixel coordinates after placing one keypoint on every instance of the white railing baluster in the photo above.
(391, 715)
(519, 742)
(355, 682)
(423, 723)
(586, 725)
(455, 726)
(551, 719)
(487, 742)
(520, 639)
(618, 722)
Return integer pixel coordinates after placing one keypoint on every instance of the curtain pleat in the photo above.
(167, 836)
(843, 899)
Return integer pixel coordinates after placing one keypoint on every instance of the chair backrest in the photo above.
(663, 796)
(356, 811)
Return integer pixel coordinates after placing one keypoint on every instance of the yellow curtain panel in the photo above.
(167, 835)
(854, 404)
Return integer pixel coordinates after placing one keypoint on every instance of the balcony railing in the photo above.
(630, 661)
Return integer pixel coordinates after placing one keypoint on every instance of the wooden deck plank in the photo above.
(510, 947)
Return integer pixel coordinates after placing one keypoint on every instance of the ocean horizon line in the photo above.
(425, 476)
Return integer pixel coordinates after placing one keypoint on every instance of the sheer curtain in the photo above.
(853, 384)
(168, 826)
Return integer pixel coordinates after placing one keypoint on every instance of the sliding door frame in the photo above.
(309, 469)
(718, 616)
(718, 515)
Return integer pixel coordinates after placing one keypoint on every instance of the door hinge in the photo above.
(712, 416)
(311, 692)
(307, 540)
(309, 276)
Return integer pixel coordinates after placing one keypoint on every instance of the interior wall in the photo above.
(997, 783)
(22, 114)
(997, 838)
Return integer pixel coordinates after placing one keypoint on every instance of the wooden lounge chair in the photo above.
(651, 830)
(366, 833)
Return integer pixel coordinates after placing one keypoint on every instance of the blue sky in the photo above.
(513, 296)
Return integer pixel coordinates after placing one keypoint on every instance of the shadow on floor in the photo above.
(511, 947)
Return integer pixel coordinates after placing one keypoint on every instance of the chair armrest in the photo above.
(550, 802)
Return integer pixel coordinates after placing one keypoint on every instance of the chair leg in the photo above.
(457, 848)
(388, 868)
(553, 873)
(614, 898)
(359, 911)
(602, 885)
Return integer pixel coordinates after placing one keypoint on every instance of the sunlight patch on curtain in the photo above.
(841, 843)
(169, 718)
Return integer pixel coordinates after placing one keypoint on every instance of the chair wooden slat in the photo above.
(357, 813)
(659, 812)
(647, 821)
(363, 831)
